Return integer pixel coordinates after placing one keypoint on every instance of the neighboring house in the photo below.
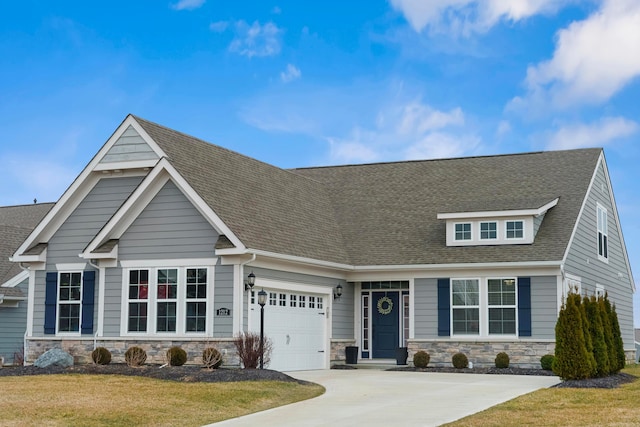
(637, 342)
(152, 245)
(16, 222)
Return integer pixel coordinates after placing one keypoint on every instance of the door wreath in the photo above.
(385, 305)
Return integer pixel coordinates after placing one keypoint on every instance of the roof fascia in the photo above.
(80, 188)
(284, 257)
(500, 214)
(141, 197)
(16, 280)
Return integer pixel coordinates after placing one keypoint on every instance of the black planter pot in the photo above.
(351, 354)
(401, 355)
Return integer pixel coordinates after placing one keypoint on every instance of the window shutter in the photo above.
(50, 302)
(524, 306)
(88, 287)
(444, 305)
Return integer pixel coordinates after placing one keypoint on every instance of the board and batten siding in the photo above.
(77, 231)
(129, 147)
(342, 317)
(13, 321)
(582, 258)
(223, 298)
(169, 227)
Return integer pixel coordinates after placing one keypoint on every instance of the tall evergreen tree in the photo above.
(571, 357)
(588, 342)
(618, 344)
(600, 351)
(605, 313)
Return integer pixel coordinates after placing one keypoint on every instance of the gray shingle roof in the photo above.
(16, 222)
(385, 213)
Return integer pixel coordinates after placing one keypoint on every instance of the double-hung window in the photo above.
(69, 301)
(466, 306)
(502, 306)
(196, 299)
(603, 249)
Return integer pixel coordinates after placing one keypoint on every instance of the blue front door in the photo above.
(385, 324)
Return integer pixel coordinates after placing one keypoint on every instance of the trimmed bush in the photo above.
(502, 360)
(135, 356)
(460, 361)
(421, 359)
(211, 358)
(572, 361)
(176, 356)
(600, 351)
(607, 325)
(546, 361)
(101, 356)
(621, 358)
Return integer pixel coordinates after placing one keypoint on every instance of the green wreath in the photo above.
(381, 308)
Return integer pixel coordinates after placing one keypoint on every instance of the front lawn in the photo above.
(566, 407)
(114, 400)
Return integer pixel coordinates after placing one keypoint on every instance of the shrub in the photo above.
(546, 361)
(502, 360)
(572, 361)
(460, 361)
(421, 359)
(596, 330)
(211, 358)
(607, 325)
(618, 345)
(135, 356)
(101, 356)
(176, 356)
(248, 347)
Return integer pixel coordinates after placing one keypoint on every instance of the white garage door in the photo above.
(295, 323)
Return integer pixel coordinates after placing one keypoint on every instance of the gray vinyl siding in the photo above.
(129, 147)
(223, 298)
(77, 231)
(582, 258)
(537, 221)
(544, 307)
(425, 315)
(13, 321)
(342, 314)
(112, 302)
(170, 227)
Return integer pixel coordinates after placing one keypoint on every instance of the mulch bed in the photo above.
(194, 373)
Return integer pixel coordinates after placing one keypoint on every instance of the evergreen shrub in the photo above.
(421, 359)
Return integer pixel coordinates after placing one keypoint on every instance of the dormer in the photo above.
(488, 228)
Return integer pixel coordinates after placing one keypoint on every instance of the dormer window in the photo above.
(515, 229)
(463, 231)
(488, 230)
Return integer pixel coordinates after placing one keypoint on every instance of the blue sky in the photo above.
(298, 83)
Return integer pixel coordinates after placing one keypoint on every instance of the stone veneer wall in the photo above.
(338, 352)
(522, 354)
(156, 350)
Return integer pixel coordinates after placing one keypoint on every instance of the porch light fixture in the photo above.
(251, 280)
(262, 300)
(337, 292)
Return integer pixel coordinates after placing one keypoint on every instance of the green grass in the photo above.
(105, 400)
(566, 407)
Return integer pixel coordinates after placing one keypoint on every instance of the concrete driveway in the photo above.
(385, 398)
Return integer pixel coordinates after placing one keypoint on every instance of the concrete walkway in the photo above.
(383, 398)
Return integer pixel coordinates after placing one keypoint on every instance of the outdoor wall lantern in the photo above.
(251, 280)
(337, 292)
(262, 300)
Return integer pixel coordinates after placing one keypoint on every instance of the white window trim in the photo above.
(484, 239)
(571, 283)
(79, 303)
(152, 301)
(524, 230)
(600, 291)
(455, 234)
(483, 309)
(605, 232)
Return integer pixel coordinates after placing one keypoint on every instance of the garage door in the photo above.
(296, 325)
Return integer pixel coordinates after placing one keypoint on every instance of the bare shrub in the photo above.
(101, 356)
(18, 357)
(248, 348)
(135, 356)
(211, 358)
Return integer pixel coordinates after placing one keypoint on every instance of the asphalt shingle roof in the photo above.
(16, 222)
(385, 213)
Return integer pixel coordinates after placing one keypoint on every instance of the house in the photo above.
(152, 245)
(637, 343)
(16, 222)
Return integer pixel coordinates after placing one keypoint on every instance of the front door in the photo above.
(385, 324)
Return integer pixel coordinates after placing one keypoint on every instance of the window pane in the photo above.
(466, 321)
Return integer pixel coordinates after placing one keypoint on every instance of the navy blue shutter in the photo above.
(88, 287)
(50, 302)
(524, 306)
(444, 305)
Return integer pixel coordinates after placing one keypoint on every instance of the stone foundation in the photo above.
(156, 349)
(523, 354)
(338, 349)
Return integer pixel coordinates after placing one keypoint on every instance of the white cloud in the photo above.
(504, 127)
(256, 40)
(188, 4)
(467, 16)
(219, 26)
(597, 134)
(593, 60)
(290, 74)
